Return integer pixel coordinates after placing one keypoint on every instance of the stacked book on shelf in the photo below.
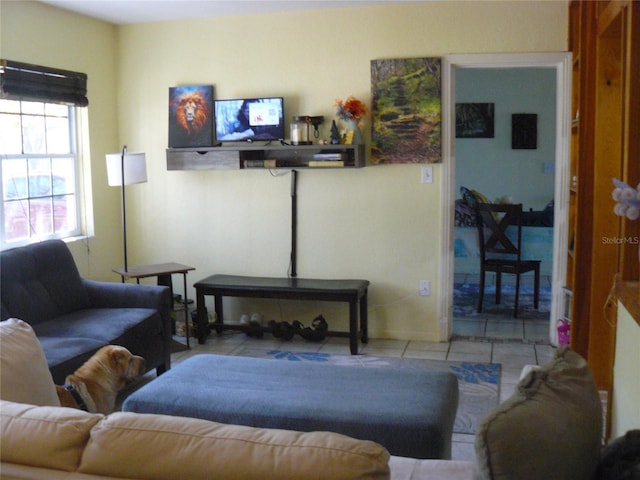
(267, 163)
(328, 159)
(322, 159)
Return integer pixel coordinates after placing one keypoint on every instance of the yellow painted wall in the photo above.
(377, 223)
(36, 33)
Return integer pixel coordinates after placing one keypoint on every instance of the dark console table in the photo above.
(354, 292)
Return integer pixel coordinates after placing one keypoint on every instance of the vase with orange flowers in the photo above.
(351, 113)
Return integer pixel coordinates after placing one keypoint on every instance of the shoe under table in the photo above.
(409, 411)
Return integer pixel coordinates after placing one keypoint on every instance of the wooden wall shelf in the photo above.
(266, 156)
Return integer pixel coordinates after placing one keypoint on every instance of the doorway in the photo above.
(561, 63)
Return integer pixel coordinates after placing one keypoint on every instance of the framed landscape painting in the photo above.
(406, 110)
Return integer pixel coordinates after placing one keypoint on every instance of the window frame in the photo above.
(72, 190)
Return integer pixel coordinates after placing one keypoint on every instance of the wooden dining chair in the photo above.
(499, 254)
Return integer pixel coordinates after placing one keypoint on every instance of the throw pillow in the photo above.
(468, 197)
(620, 459)
(24, 373)
(480, 197)
(550, 429)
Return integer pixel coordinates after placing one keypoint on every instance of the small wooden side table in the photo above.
(163, 272)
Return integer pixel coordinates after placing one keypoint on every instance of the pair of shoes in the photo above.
(316, 333)
(282, 330)
(300, 329)
(320, 324)
(253, 329)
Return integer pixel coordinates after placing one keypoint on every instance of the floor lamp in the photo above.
(126, 169)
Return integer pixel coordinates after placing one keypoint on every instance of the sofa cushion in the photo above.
(72, 350)
(24, 374)
(40, 281)
(66, 354)
(101, 324)
(177, 448)
(70, 340)
(47, 437)
(549, 429)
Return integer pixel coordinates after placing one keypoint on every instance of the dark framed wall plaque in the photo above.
(524, 131)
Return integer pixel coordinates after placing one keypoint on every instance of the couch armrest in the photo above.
(128, 295)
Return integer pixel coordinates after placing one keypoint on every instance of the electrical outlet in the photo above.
(425, 288)
(426, 174)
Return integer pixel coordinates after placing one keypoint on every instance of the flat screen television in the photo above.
(249, 119)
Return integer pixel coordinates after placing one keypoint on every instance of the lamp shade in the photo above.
(135, 168)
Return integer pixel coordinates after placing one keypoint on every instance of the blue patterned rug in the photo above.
(465, 301)
(478, 382)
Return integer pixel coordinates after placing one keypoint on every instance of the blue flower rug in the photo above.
(479, 383)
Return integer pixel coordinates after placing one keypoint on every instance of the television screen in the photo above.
(249, 119)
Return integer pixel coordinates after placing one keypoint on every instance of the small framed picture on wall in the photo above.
(474, 120)
(524, 131)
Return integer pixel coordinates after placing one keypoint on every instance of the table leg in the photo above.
(187, 320)
(364, 318)
(353, 326)
(217, 302)
(202, 323)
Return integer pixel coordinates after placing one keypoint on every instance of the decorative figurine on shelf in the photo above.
(335, 135)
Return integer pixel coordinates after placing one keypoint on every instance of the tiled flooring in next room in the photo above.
(531, 326)
(506, 328)
(512, 355)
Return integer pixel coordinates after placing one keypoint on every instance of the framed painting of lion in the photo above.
(191, 116)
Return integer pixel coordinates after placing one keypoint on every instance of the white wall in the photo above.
(377, 223)
(625, 404)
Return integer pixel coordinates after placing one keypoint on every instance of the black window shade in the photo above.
(22, 81)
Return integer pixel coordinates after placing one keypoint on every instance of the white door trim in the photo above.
(561, 61)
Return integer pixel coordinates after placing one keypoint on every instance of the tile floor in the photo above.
(513, 355)
(532, 329)
(507, 328)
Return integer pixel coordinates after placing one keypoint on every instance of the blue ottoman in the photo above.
(410, 412)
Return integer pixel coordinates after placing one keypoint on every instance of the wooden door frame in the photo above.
(561, 62)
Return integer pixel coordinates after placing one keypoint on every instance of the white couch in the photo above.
(549, 430)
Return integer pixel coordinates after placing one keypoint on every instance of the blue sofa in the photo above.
(73, 317)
